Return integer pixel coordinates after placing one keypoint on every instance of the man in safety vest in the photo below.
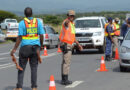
(109, 40)
(116, 31)
(31, 38)
(67, 38)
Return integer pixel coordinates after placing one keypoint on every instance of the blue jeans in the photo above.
(108, 46)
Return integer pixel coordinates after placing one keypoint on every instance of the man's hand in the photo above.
(12, 52)
(41, 48)
(66, 23)
(80, 47)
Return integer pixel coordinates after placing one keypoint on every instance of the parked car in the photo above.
(90, 33)
(12, 33)
(41, 20)
(124, 52)
(51, 38)
(2, 36)
(9, 23)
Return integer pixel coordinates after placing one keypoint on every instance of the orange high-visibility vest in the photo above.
(106, 33)
(116, 29)
(31, 29)
(67, 34)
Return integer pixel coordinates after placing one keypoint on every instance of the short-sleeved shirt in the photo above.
(109, 29)
(124, 29)
(22, 32)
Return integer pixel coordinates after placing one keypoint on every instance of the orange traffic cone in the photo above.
(52, 85)
(102, 66)
(45, 51)
(116, 54)
(59, 50)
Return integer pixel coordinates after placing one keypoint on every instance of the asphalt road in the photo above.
(83, 72)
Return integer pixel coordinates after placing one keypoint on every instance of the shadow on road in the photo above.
(117, 69)
(12, 87)
(87, 52)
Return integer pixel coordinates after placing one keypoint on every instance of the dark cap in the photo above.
(128, 19)
(109, 19)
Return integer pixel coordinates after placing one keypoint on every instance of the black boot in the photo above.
(107, 58)
(113, 55)
(65, 80)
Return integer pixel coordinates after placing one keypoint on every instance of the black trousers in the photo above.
(25, 53)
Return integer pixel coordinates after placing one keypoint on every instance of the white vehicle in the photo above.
(90, 33)
(41, 20)
(12, 33)
(9, 23)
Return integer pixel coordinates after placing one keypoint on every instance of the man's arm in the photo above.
(80, 47)
(19, 38)
(41, 40)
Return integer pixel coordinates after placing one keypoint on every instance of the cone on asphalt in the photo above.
(116, 54)
(59, 50)
(52, 85)
(102, 66)
(45, 51)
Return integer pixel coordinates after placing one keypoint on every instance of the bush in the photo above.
(5, 14)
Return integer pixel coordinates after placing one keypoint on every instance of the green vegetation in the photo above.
(5, 14)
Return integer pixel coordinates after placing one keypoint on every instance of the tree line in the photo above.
(58, 18)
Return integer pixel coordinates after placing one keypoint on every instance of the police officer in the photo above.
(109, 40)
(67, 38)
(116, 31)
(30, 29)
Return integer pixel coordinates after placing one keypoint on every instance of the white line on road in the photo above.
(76, 83)
(7, 66)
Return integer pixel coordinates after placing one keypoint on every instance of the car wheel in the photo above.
(77, 51)
(123, 69)
(102, 49)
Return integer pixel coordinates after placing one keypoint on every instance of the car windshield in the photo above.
(93, 23)
(49, 30)
(128, 36)
(13, 29)
(11, 21)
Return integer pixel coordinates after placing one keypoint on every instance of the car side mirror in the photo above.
(120, 38)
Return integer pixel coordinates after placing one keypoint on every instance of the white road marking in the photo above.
(11, 64)
(6, 52)
(7, 66)
(74, 84)
(4, 58)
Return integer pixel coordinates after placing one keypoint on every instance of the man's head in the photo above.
(128, 21)
(117, 20)
(71, 15)
(28, 12)
(109, 20)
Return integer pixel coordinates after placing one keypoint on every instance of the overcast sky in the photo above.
(54, 6)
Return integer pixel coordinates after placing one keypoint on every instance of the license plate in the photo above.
(84, 39)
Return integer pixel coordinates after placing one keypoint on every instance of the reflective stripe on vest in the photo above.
(31, 29)
(67, 35)
(116, 32)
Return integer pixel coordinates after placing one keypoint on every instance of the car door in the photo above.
(51, 35)
(55, 37)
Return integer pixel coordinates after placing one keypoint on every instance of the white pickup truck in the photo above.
(9, 23)
(90, 33)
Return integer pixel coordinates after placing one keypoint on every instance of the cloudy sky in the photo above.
(60, 6)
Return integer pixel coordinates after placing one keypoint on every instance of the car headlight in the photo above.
(123, 49)
(97, 34)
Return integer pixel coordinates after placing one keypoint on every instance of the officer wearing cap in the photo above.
(109, 40)
(67, 38)
(116, 31)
